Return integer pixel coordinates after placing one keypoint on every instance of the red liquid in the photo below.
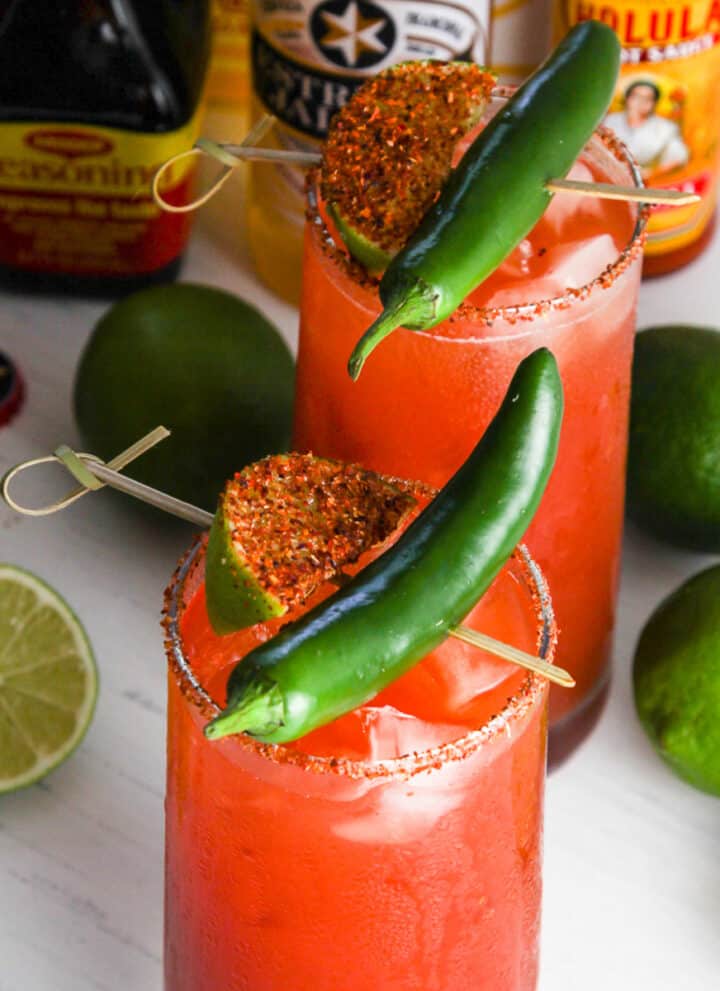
(294, 873)
(424, 399)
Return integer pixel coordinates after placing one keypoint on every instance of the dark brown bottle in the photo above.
(94, 96)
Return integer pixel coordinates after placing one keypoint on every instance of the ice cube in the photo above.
(378, 732)
(580, 172)
(391, 733)
(517, 263)
(577, 263)
(405, 811)
(464, 673)
(569, 213)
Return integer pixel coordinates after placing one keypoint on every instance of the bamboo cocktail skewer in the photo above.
(154, 497)
(232, 155)
(92, 474)
(631, 194)
(229, 161)
(600, 190)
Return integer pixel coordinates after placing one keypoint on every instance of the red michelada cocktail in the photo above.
(424, 396)
(398, 847)
(366, 808)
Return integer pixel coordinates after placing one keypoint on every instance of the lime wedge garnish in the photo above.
(390, 149)
(287, 524)
(48, 679)
(361, 247)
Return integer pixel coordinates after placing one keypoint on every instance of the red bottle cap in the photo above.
(12, 390)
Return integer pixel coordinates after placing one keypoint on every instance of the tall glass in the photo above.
(291, 872)
(423, 400)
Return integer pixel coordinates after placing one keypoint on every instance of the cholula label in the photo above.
(667, 103)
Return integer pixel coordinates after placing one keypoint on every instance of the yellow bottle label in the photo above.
(229, 77)
(76, 199)
(667, 104)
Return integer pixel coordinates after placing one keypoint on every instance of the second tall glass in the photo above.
(423, 399)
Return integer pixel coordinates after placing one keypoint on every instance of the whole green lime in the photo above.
(201, 362)
(674, 456)
(676, 678)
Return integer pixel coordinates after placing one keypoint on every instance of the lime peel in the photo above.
(235, 598)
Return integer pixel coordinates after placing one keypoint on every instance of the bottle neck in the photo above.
(99, 61)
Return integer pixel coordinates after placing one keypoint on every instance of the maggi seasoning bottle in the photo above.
(307, 58)
(94, 96)
(666, 109)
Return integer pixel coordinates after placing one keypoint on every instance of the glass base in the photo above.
(567, 735)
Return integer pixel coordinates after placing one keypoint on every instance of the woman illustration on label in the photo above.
(655, 141)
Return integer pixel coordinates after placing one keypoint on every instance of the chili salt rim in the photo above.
(489, 314)
(404, 767)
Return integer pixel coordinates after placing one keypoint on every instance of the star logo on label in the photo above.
(352, 33)
(356, 35)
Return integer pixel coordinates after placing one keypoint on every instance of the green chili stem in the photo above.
(407, 309)
(260, 711)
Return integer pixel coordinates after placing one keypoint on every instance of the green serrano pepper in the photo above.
(400, 607)
(497, 193)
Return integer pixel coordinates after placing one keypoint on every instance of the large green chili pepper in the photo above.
(496, 195)
(400, 607)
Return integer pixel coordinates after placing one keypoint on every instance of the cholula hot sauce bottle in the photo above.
(666, 109)
(94, 96)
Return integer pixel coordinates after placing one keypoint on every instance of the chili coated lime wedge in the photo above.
(287, 524)
(48, 679)
(390, 149)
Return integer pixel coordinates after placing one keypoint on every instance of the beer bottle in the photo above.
(307, 58)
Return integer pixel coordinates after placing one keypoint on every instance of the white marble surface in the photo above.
(632, 869)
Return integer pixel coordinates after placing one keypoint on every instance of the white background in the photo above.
(632, 865)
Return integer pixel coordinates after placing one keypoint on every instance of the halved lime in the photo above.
(48, 679)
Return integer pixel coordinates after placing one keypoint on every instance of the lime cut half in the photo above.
(48, 679)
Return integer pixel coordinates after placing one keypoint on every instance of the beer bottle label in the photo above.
(667, 103)
(309, 56)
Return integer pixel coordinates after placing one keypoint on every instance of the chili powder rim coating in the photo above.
(407, 766)
(355, 271)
